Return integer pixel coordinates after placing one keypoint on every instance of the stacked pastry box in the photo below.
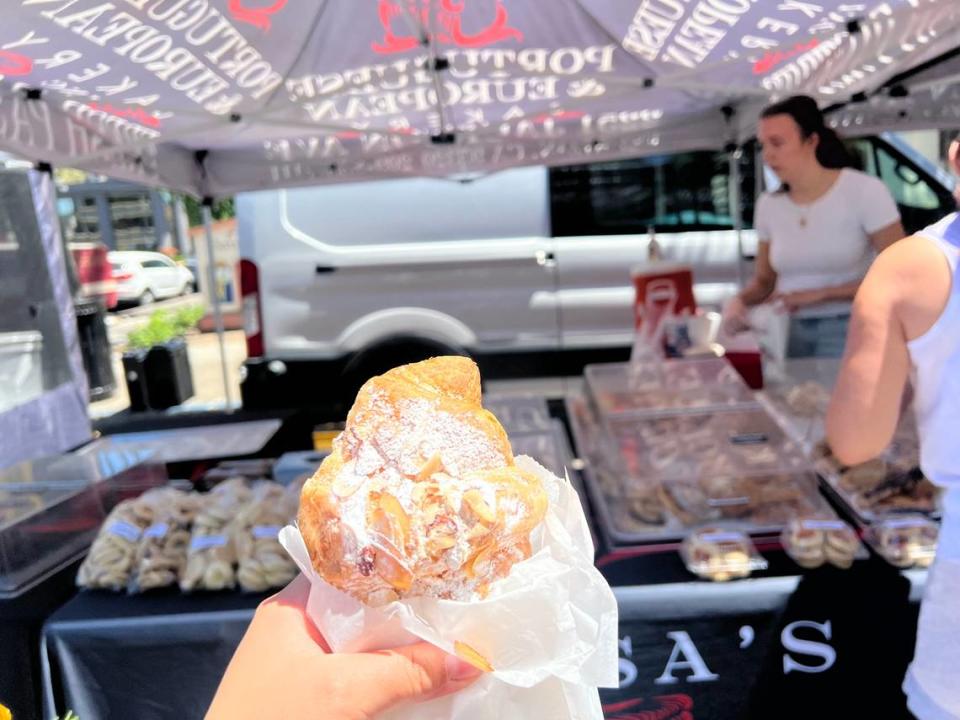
(225, 538)
(894, 505)
(682, 451)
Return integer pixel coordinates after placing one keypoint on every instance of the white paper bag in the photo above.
(549, 629)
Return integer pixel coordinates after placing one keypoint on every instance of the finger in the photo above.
(415, 672)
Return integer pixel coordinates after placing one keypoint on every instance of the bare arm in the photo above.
(865, 406)
(900, 299)
(764, 279)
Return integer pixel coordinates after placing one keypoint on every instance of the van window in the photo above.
(672, 193)
(920, 201)
(507, 204)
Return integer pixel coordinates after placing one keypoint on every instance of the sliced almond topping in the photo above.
(474, 500)
(433, 465)
(346, 484)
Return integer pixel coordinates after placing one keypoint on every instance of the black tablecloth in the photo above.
(826, 644)
(21, 620)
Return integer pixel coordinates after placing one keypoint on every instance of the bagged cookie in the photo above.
(113, 555)
(262, 561)
(211, 555)
(162, 554)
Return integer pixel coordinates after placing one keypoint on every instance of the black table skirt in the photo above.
(826, 644)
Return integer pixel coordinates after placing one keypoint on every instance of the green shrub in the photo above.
(164, 326)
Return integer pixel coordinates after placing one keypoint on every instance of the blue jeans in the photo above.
(823, 337)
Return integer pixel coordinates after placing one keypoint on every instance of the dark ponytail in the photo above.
(831, 152)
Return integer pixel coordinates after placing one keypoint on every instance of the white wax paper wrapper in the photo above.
(549, 629)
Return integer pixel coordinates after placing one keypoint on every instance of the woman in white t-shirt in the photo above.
(818, 233)
(906, 323)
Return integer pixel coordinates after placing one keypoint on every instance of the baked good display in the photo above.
(262, 563)
(728, 443)
(906, 541)
(212, 554)
(421, 495)
(808, 400)
(651, 388)
(113, 555)
(162, 554)
(719, 554)
(761, 500)
(814, 541)
(892, 483)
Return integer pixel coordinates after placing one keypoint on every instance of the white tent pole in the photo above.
(215, 297)
(736, 209)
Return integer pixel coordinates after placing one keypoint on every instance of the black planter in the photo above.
(158, 378)
(169, 381)
(136, 377)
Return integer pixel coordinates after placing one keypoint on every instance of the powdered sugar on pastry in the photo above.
(420, 495)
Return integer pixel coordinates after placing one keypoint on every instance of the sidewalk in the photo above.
(204, 352)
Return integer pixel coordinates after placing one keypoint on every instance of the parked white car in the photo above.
(143, 277)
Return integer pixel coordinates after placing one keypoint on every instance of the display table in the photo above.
(144, 657)
(21, 622)
(827, 644)
(824, 643)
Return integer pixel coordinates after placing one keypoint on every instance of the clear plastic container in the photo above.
(904, 541)
(520, 413)
(645, 389)
(694, 445)
(817, 540)
(636, 504)
(51, 508)
(720, 553)
(41, 531)
(549, 447)
(878, 489)
(759, 503)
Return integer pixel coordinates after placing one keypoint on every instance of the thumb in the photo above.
(414, 672)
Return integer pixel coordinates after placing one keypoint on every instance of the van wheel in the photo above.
(378, 359)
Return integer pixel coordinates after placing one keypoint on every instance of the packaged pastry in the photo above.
(212, 554)
(905, 541)
(720, 554)
(162, 553)
(262, 563)
(113, 555)
(420, 496)
(422, 524)
(813, 541)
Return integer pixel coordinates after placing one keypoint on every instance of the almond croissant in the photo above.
(420, 496)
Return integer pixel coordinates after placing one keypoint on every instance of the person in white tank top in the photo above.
(905, 325)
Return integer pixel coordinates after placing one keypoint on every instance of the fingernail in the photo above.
(458, 669)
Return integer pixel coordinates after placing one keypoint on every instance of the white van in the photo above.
(344, 281)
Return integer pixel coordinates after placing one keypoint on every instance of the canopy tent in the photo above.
(213, 97)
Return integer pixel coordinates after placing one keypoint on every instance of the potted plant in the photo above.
(156, 365)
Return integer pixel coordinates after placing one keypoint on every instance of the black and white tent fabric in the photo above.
(214, 97)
